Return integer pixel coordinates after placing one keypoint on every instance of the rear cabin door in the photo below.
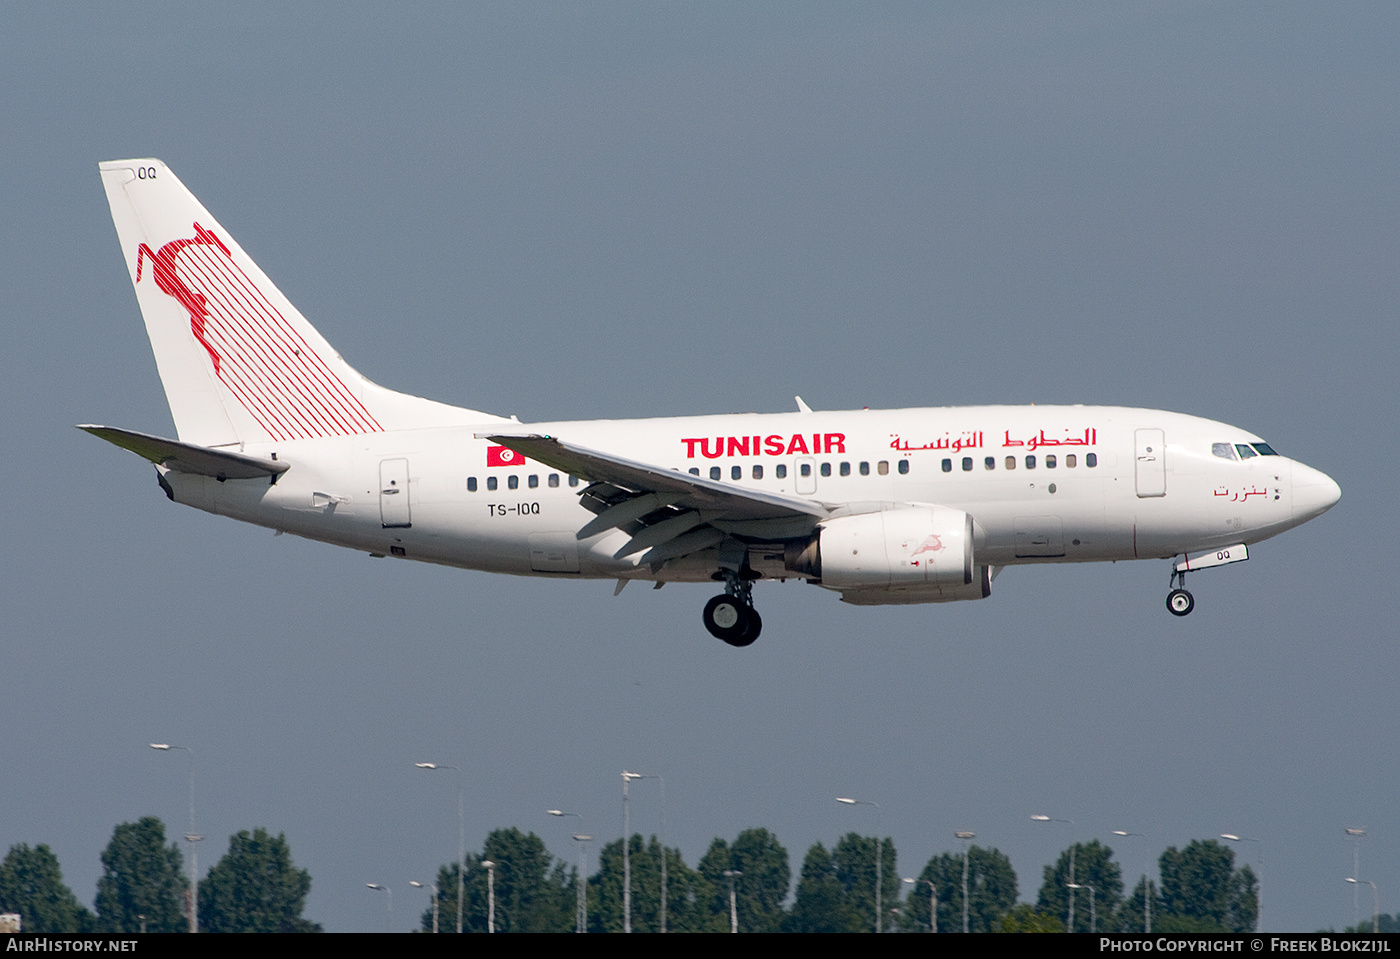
(393, 494)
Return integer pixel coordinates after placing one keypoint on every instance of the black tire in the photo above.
(753, 625)
(1180, 602)
(726, 618)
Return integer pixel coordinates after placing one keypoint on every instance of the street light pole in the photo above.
(733, 908)
(1146, 886)
(490, 895)
(932, 901)
(389, 915)
(964, 835)
(433, 889)
(1093, 913)
(1259, 903)
(1043, 818)
(461, 832)
(1354, 833)
(191, 837)
(879, 854)
(1375, 903)
(580, 907)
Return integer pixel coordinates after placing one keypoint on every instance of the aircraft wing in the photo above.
(669, 513)
(188, 458)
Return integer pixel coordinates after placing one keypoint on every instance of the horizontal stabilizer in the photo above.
(188, 458)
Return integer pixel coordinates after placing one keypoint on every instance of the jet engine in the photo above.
(914, 554)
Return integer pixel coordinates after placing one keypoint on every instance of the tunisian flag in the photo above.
(503, 456)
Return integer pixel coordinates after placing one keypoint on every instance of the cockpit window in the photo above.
(1245, 451)
(1265, 449)
(1223, 450)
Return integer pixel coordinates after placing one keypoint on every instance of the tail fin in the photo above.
(238, 362)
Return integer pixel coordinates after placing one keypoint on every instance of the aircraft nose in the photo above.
(1314, 492)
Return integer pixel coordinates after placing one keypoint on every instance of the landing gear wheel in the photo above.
(731, 620)
(753, 625)
(1180, 602)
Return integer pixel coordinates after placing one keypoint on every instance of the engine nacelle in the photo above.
(916, 554)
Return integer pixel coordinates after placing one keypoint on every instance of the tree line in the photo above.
(255, 887)
(1200, 890)
(143, 887)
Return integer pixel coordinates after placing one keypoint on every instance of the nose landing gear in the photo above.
(1179, 601)
(731, 616)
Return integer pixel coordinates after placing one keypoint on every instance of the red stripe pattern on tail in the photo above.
(262, 359)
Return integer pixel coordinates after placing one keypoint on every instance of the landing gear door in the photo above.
(393, 494)
(1151, 456)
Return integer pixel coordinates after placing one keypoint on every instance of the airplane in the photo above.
(881, 506)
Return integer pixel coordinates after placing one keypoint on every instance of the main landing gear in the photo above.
(731, 616)
(1179, 602)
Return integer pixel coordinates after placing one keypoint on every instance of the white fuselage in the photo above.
(1042, 484)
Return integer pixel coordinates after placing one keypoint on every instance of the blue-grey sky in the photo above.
(579, 211)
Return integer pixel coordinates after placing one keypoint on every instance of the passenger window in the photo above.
(1091, 460)
(695, 471)
(573, 480)
(736, 472)
(1223, 450)
(845, 469)
(883, 467)
(491, 483)
(781, 471)
(1030, 462)
(757, 471)
(1050, 461)
(990, 462)
(714, 472)
(1070, 460)
(1245, 451)
(826, 469)
(534, 481)
(947, 466)
(513, 481)
(553, 480)
(903, 467)
(1011, 462)
(471, 484)
(805, 469)
(864, 469)
(967, 464)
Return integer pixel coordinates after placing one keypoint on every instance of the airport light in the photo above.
(1259, 903)
(879, 853)
(580, 907)
(389, 915)
(191, 837)
(461, 832)
(1375, 902)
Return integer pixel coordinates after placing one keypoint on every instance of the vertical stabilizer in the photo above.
(238, 362)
